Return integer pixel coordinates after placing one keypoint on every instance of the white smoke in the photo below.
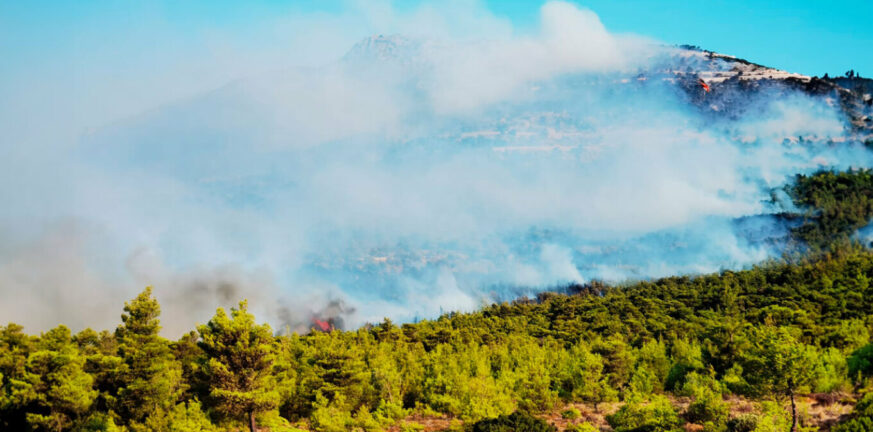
(463, 164)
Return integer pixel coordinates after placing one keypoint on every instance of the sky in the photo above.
(219, 150)
(809, 37)
(804, 36)
(143, 54)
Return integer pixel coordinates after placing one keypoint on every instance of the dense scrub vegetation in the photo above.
(767, 334)
(837, 204)
(862, 417)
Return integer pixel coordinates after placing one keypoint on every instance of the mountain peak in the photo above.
(382, 48)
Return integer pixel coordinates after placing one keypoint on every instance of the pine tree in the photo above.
(151, 376)
(779, 365)
(240, 357)
(104, 365)
(62, 389)
(15, 390)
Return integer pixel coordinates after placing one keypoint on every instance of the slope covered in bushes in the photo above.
(764, 333)
(768, 334)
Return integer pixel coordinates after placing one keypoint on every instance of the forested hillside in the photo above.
(649, 356)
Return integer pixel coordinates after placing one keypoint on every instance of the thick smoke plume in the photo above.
(410, 176)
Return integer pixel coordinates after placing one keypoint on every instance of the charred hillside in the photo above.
(734, 81)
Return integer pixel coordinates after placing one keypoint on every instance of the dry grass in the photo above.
(820, 411)
(429, 423)
(825, 412)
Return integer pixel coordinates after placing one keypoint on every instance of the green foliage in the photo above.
(518, 421)
(60, 391)
(769, 332)
(861, 419)
(861, 363)
(100, 422)
(460, 382)
(16, 389)
(838, 204)
(777, 364)
(864, 407)
(619, 360)
(639, 415)
(643, 381)
(411, 427)
(743, 423)
(861, 424)
(239, 363)
(773, 418)
(525, 367)
(580, 376)
(363, 419)
(187, 417)
(271, 421)
(831, 372)
(653, 358)
(581, 427)
(571, 414)
(687, 357)
(707, 408)
(150, 378)
(330, 416)
(849, 335)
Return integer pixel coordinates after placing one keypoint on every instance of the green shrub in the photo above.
(743, 423)
(832, 372)
(389, 412)
(99, 422)
(644, 381)
(330, 417)
(571, 413)
(656, 415)
(774, 418)
(191, 418)
(865, 406)
(653, 357)
(860, 424)
(518, 421)
(687, 357)
(411, 427)
(861, 362)
(364, 420)
(708, 408)
(581, 427)
(273, 422)
(862, 417)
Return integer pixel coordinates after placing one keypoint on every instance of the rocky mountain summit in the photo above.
(732, 80)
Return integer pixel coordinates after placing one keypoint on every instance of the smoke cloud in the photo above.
(459, 164)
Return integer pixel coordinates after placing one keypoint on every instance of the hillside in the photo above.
(421, 176)
(733, 80)
(464, 216)
(550, 214)
(714, 345)
(720, 352)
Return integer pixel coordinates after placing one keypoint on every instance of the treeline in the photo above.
(768, 334)
(836, 205)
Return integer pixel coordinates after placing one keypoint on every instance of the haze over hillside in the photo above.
(418, 175)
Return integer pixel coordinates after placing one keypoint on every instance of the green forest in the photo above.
(784, 346)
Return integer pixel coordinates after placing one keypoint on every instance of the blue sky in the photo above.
(810, 37)
(84, 64)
